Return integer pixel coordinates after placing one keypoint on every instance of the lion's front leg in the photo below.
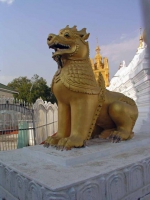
(82, 112)
(64, 125)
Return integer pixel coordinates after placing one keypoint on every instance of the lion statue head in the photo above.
(69, 44)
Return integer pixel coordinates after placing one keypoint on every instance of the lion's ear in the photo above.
(86, 36)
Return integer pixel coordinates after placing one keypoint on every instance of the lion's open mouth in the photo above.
(59, 47)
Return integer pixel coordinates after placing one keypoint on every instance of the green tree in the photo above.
(31, 90)
(21, 85)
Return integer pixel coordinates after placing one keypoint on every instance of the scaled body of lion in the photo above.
(85, 107)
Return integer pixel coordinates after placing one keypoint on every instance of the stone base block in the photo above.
(100, 171)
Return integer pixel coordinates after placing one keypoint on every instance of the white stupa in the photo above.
(134, 81)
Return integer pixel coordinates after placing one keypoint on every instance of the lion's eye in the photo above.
(66, 35)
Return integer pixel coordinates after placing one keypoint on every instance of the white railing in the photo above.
(45, 118)
(44, 122)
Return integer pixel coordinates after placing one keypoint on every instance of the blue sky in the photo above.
(25, 25)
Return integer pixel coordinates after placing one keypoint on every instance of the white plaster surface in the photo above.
(100, 171)
(134, 81)
(92, 152)
(46, 120)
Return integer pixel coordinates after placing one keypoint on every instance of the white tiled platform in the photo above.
(100, 171)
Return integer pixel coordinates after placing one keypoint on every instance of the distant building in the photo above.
(6, 91)
(100, 64)
(134, 81)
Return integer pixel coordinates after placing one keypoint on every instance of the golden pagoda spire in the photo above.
(140, 39)
(100, 66)
(98, 57)
(97, 47)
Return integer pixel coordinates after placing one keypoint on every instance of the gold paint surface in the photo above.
(100, 66)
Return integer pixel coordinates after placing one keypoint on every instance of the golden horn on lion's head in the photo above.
(67, 26)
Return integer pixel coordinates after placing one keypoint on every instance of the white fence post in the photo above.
(46, 119)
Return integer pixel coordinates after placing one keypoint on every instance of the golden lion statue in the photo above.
(85, 108)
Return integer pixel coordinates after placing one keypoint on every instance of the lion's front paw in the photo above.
(52, 140)
(70, 142)
(61, 143)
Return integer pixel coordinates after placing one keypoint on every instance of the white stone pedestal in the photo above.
(100, 171)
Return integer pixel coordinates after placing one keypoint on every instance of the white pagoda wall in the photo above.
(134, 81)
